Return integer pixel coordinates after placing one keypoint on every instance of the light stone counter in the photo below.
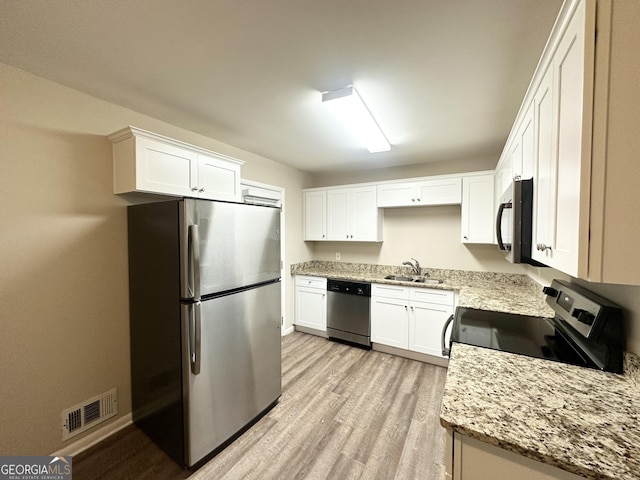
(581, 420)
(503, 292)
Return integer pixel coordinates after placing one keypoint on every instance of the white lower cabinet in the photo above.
(470, 459)
(311, 303)
(390, 321)
(410, 318)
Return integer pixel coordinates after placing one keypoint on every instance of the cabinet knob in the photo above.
(194, 189)
(465, 237)
(542, 247)
(419, 199)
(351, 236)
(201, 190)
(413, 199)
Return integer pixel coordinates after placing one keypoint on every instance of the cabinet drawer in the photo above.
(311, 282)
(389, 291)
(430, 295)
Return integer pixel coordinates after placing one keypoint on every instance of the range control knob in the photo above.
(552, 292)
(583, 316)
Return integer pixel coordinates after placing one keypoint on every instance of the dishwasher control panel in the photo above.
(349, 288)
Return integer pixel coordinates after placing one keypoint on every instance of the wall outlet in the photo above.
(337, 256)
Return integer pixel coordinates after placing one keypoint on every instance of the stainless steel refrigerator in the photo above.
(204, 283)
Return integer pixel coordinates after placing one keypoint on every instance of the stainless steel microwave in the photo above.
(514, 222)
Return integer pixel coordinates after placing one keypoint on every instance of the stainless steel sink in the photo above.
(413, 279)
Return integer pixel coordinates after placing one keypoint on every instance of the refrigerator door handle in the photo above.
(194, 259)
(195, 341)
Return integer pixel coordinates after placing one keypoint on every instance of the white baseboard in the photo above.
(287, 331)
(90, 440)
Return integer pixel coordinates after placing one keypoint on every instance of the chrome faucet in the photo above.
(414, 266)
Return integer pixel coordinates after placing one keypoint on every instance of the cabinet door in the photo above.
(544, 188)
(162, 168)
(390, 322)
(477, 209)
(439, 192)
(311, 308)
(218, 179)
(568, 67)
(365, 220)
(559, 105)
(396, 195)
(425, 327)
(474, 460)
(315, 215)
(338, 214)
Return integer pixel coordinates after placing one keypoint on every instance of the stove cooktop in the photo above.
(520, 334)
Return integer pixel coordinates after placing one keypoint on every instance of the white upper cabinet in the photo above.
(315, 215)
(437, 191)
(352, 215)
(151, 163)
(477, 209)
(562, 159)
(585, 104)
(345, 214)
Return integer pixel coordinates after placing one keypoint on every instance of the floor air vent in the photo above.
(88, 414)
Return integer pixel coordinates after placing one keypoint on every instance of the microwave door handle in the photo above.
(501, 209)
(445, 350)
(194, 259)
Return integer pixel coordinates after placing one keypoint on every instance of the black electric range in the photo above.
(587, 330)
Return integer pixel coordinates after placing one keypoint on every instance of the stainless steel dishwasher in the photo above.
(348, 311)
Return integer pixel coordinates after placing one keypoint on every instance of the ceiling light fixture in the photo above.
(348, 106)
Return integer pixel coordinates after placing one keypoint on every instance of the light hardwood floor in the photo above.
(345, 413)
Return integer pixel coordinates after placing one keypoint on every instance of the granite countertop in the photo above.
(502, 292)
(581, 420)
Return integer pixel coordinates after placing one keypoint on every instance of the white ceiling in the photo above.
(444, 78)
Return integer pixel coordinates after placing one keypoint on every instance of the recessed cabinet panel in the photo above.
(477, 209)
(396, 195)
(311, 303)
(544, 187)
(338, 224)
(164, 168)
(440, 191)
(390, 322)
(315, 215)
(218, 179)
(426, 321)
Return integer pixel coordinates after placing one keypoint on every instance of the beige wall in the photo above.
(472, 163)
(430, 234)
(63, 253)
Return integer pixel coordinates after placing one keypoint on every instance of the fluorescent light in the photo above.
(348, 106)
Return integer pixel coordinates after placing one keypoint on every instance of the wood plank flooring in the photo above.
(345, 413)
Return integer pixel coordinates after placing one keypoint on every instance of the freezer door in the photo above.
(227, 246)
(238, 365)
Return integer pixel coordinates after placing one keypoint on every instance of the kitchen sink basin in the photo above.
(414, 279)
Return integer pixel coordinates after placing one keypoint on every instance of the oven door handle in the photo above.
(445, 350)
